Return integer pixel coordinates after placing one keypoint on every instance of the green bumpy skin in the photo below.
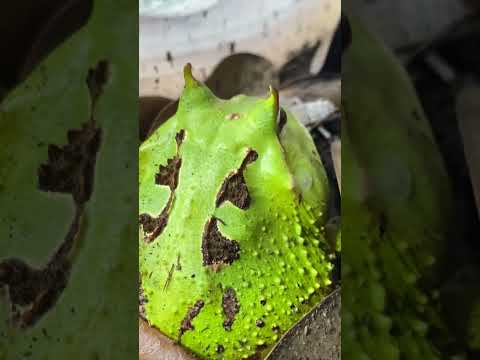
(474, 330)
(395, 210)
(231, 293)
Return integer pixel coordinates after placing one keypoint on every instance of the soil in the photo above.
(231, 307)
(234, 188)
(70, 169)
(217, 250)
(191, 314)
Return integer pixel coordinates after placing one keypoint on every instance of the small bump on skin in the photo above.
(233, 116)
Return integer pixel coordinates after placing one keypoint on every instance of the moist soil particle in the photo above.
(230, 308)
(153, 227)
(216, 248)
(186, 324)
(70, 169)
(168, 175)
(97, 78)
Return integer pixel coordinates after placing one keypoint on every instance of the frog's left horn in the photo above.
(194, 92)
(188, 76)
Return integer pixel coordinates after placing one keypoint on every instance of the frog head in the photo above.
(232, 207)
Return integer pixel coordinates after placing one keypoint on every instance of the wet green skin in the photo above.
(395, 210)
(283, 268)
(474, 332)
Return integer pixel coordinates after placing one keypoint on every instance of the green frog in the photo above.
(233, 201)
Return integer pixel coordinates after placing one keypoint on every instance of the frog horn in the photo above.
(194, 90)
(274, 100)
(272, 107)
(190, 81)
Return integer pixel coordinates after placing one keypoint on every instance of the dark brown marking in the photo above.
(167, 176)
(216, 248)
(97, 78)
(153, 227)
(260, 323)
(142, 300)
(220, 349)
(33, 292)
(231, 307)
(186, 324)
(70, 169)
(234, 188)
(179, 137)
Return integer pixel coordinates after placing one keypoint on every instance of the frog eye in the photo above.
(168, 176)
(234, 188)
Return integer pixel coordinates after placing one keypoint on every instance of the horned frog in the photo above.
(232, 206)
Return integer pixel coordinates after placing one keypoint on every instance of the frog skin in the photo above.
(232, 206)
(396, 211)
(474, 329)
